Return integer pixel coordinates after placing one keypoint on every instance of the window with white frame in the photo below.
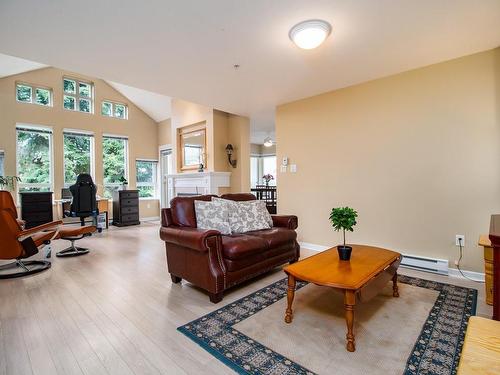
(261, 165)
(26, 93)
(113, 109)
(115, 163)
(34, 158)
(78, 95)
(254, 170)
(269, 167)
(78, 155)
(146, 178)
(2, 161)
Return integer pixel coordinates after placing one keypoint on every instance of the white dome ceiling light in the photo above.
(268, 142)
(310, 34)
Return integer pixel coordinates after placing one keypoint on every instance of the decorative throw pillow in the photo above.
(212, 215)
(247, 216)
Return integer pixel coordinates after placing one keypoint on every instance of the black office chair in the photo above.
(84, 205)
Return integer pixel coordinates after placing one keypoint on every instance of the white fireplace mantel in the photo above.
(197, 183)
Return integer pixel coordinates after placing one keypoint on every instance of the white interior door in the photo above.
(165, 170)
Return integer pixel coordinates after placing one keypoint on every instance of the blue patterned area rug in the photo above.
(436, 350)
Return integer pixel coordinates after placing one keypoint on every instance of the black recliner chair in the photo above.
(84, 205)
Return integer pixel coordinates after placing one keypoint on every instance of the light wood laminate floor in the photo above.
(115, 311)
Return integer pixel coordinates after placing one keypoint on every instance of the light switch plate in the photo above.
(293, 168)
(283, 169)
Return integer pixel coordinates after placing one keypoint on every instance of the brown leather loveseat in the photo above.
(217, 262)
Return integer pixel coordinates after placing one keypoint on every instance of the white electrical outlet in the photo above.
(293, 168)
(459, 237)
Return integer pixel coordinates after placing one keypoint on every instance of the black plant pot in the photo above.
(344, 252)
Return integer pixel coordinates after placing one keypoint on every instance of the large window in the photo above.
(261, 165)
(78, 95)
(254, 170)
(26, 93)
(112, 109)
(269, 167)
(34, 158)
(114, 163)
(146, 178)
(78, 155)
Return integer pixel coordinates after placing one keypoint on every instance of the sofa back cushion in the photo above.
(239, 197)
(183, 213)
(247, 216)
(212, 215)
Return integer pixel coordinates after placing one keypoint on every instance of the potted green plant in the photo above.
(343, 218)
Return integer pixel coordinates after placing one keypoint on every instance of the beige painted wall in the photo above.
(184, 114)
(165, 132)
(141, 129)
(416, 154)
(239, 137)
(220, 141)
(221, 128)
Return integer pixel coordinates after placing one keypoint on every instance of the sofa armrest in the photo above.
(192, 238)
(285, 221)
(166, 217)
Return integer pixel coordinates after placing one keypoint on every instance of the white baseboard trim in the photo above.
(314, 247)
(476, 276)
(452, 272)
(150, 218)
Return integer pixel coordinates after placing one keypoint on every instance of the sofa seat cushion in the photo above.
(240, 246)
(275, 237)
(253, 260)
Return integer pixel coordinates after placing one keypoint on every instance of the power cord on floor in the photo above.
(458, 263)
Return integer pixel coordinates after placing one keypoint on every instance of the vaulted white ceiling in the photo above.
(157, 106)
(187, 49)
(10, 65)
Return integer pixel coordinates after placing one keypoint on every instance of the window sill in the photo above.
(78, 111)
(148, 199)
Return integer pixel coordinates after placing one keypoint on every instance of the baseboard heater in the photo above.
(439, 266)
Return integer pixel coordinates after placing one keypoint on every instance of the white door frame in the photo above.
(164, 199)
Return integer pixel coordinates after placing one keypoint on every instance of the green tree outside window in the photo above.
(23, 93)
(33, 158)
(77, 156)
(69, 86)
(42, 96)
(114, 163)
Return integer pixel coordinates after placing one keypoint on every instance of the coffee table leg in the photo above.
(289, 296)
(395, 290)
(349, 302)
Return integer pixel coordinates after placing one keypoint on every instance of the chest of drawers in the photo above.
(36, 208)
(126, 208)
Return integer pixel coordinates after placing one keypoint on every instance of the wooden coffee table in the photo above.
(360, 278)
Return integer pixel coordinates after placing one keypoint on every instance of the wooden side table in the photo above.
(485, 242)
